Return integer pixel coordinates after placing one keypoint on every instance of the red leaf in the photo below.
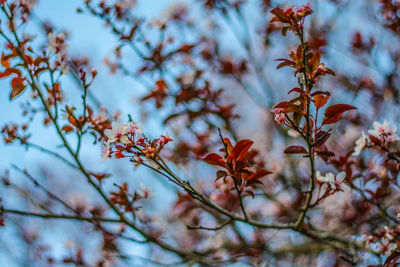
(320, 93)
(286, 63)
(185, 48)
(325, 153)
(221, 174)
(240, 149)
(18, 86)
(283, 104)
(296, 89)
(161, 85)
(321, 138)
(333, 113)
(295, 150)
(214, 159)
(259, 174)
(279, 15)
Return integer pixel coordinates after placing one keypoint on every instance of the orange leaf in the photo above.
(72, 120)
(67, 128)
(18, 86)
(228, 144)
(185, 48)
(10, 71)
(315, 60)
(161, 85)
(5, 61)
(100, 176)
(320, 100)
(285, 62)
(333, 113)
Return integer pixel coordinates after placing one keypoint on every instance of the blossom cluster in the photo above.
(385, 240)
(330, 179)
(58, 44)
(12, 132)
(382, 133)
(126, 140)
(292, 16)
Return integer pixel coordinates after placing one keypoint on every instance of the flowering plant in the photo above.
(249, 174)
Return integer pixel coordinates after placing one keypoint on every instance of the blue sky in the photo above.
(89, 37)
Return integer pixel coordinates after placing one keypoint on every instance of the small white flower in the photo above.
(279, 115)
(388, 234)
(385, 131)
(329, 178)
(135, 128)
(106, 152)
(57, 42)
(391, 248)
(387, 246)
(361, 144)
(119, 132)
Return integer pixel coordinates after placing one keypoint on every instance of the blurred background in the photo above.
(355, 45)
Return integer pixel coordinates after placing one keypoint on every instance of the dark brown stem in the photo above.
(308, 140)
(209, 228)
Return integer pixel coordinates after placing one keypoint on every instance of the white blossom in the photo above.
(385, 131)
(119, 132)
(361, 144)
(57, 42)
(329, 178)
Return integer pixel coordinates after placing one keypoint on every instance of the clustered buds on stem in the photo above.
(292, 16)
(127, 140)
(296, 113)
